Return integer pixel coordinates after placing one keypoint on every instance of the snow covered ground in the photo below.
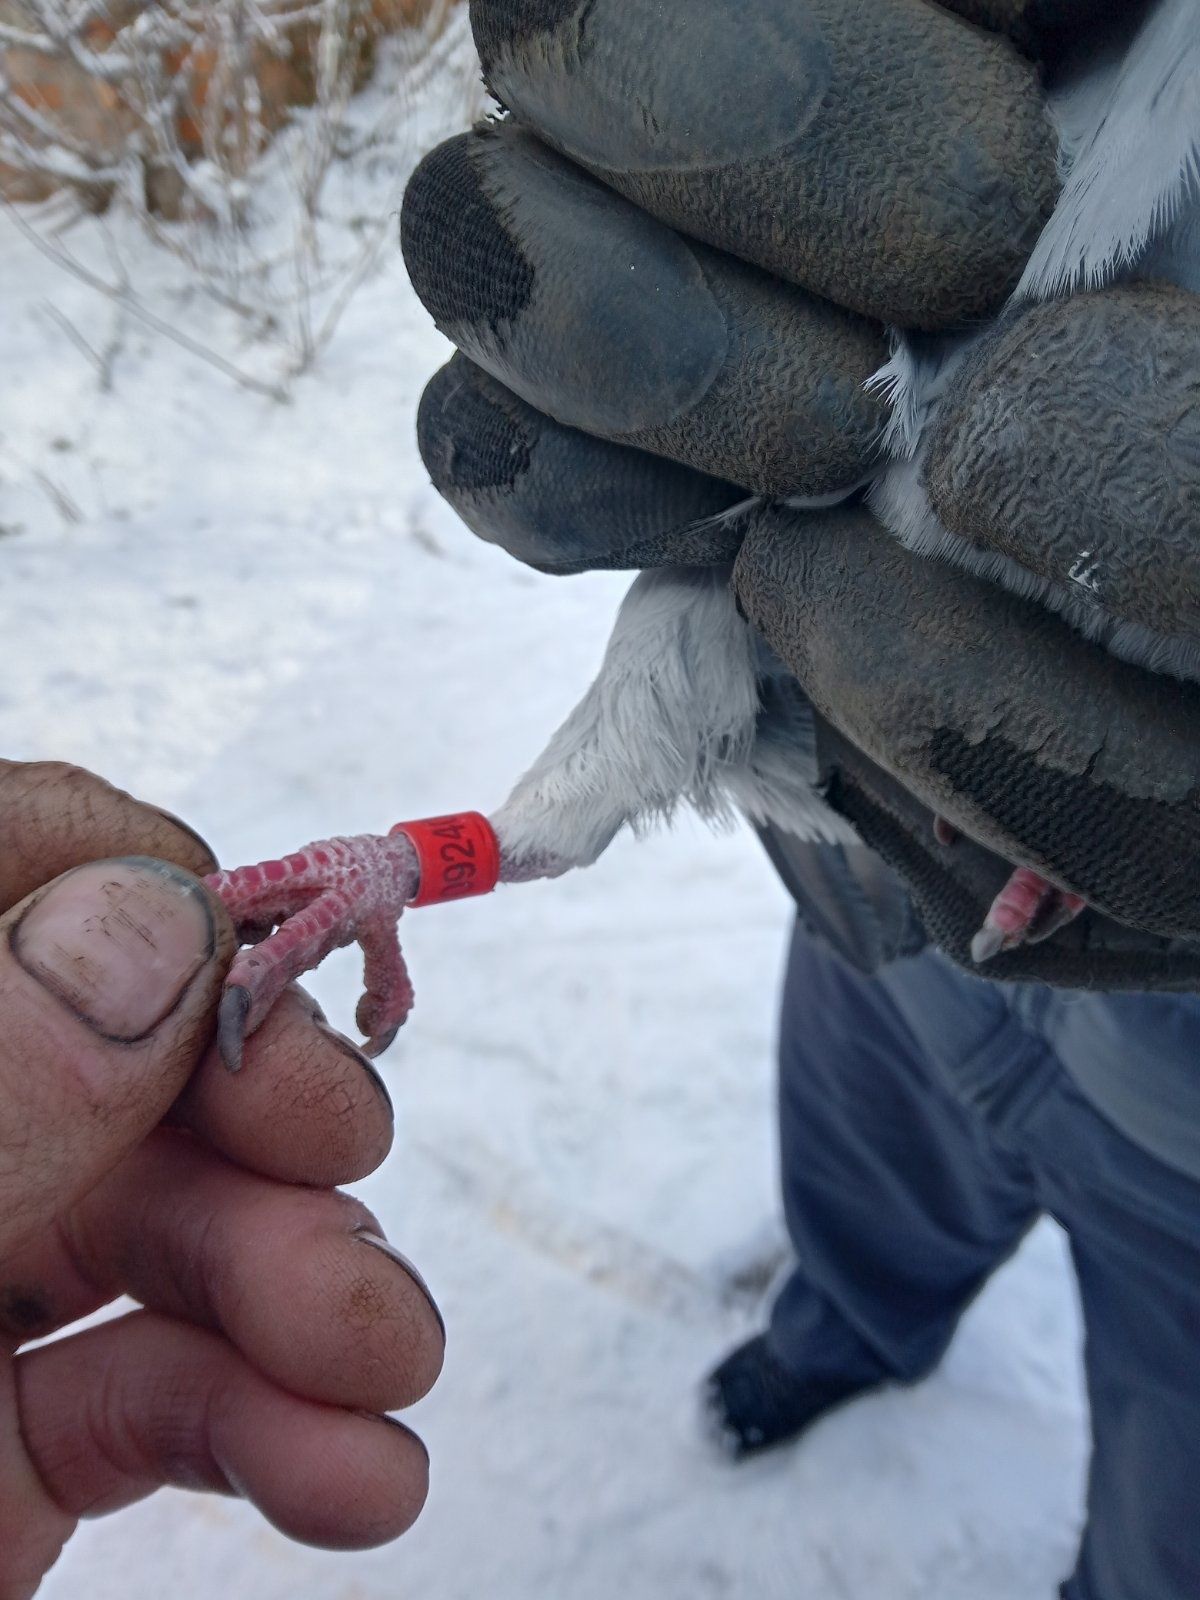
(260, 615)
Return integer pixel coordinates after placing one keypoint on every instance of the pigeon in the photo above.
(919, 515)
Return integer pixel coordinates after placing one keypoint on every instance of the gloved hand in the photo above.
(882, 161)
(983, 708)
(670, 272)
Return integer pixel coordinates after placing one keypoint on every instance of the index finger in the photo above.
(309, 1109)
(54, 816)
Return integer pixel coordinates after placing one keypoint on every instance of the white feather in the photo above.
(913, 382)
(779, 783)
(672, 717)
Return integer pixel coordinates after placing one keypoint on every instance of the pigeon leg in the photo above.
(663, 723)
(330, 894)
(388, 992)
(1026, 911)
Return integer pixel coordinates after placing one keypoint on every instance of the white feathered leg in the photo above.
(673, 718)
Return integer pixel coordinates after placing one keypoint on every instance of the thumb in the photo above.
(109, 979)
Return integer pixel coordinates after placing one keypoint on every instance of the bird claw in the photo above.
(1028, 910)
(382, 1043)
(231, 1025)
(946, 834)
(330, 894)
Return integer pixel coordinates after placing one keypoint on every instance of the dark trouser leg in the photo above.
(898, 1205)
(1135, 1235)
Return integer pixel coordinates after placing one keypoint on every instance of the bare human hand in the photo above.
(276, 1326)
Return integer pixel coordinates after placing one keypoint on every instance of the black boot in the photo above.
(752, 1402)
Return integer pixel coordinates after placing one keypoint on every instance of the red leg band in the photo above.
(459, 857)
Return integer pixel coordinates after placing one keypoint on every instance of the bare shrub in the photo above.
(217, 127)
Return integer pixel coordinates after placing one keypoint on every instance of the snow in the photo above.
(260, 615)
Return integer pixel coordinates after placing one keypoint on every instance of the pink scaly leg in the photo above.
(330, 894)
(1026, 911)
(388, 995)
(353, 891)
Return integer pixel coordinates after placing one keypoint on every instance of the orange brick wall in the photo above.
(94, 113)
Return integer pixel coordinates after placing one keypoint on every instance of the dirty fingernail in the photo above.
(118, 943)
(315, 1010)
(361, 1061)
(368, 1236)
(394, 1422)
(198, 839)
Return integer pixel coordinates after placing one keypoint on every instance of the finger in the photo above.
(296, 1278)
(55, 817)
(33, 1530)
(611, 323)
(108, 986)
(1070, 443)
(558, 499)
(110, 1415)
(1033, 741)
(300, 1281)
(877, 152)
(310, 1108)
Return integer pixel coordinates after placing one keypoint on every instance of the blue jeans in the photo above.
(926, 1122)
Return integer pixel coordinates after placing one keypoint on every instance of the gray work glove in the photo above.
(671, 272)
